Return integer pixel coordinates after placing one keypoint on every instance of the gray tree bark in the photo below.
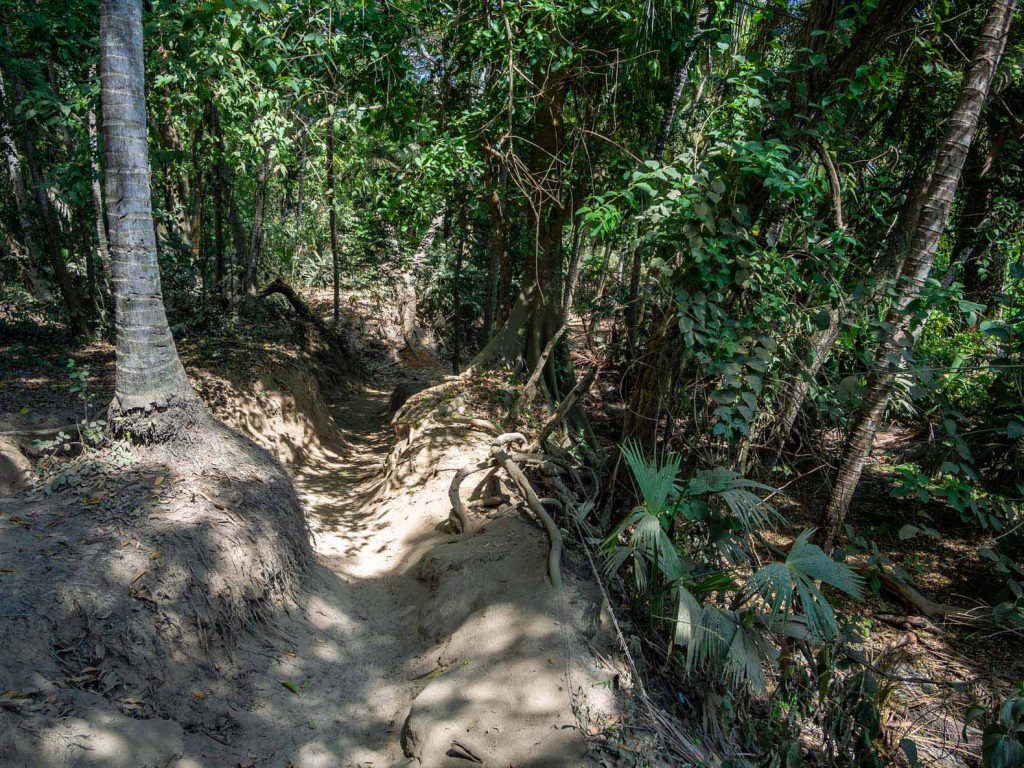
(151, 391)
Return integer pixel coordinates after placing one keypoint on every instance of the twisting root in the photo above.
(458, 508)
(537, 507)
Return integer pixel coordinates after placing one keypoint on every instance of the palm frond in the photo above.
(656, 479)
(789, 588)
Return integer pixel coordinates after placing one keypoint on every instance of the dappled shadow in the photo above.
(128, 604)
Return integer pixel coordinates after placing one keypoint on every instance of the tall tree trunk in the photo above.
(601, 286)
(900, 329)
(651, 390)
(332, 215)
(457, 293)
(218, 235)
(572, 271)
(972, 245)
(151, 391)
(538, 312)
(25, 227)
(499, 268)
(498, 261)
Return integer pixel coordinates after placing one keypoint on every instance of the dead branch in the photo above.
(910, 597)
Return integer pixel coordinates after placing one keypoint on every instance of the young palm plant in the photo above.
(732, 611)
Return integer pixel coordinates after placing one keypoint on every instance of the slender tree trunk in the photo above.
(572, 272)
(25, 227)
(652, 389)
(218, 235)
(151, 391)
(972, 245)
(102, 248)
(405, 281)
(819, 346)
(250, 276)
(332, 215)
(601, 286)
(500, 268)
(457, 294)
(901, 329)
(498, 261)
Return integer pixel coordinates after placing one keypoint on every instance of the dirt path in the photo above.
(451, 649)
(332, 687)
(409, 646)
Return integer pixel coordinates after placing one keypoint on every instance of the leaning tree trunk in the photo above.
(900, 331)
(152, 396)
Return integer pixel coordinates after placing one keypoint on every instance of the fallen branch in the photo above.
(910, 597)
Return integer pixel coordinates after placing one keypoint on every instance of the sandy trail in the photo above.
(332, 686)
(412, 641)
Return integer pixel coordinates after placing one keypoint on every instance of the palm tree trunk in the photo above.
(151, 391)
(901, 330)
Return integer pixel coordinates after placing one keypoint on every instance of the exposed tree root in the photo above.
(530, 389)
(176, 419)
(458, 508)
(537, 507)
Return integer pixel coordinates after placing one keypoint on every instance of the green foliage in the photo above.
(1003, 735)
(730, 625)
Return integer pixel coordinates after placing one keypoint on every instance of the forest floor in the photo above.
(406, 645)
